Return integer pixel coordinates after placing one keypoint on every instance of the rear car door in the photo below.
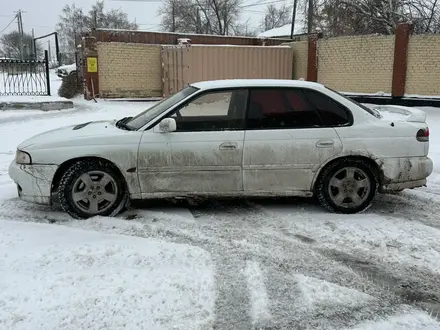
(285, 141)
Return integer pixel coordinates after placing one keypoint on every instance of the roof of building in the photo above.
(284, 30)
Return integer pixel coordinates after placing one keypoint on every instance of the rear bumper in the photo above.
(33, 182)
(405, 173)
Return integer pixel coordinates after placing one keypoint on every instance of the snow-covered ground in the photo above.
(280, 264)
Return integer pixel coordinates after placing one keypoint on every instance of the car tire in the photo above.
(347, 186)
(92, 187)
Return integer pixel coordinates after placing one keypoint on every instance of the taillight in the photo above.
(423, 135)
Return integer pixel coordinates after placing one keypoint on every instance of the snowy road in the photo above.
(259, 264)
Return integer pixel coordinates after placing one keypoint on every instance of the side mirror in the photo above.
(167, 125)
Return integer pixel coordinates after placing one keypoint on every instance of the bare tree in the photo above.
(339, 17)
(74, 22)
(276, 17)
(425, 15)
(10, 45)
(218, 17)
(181, 16)
(111, 19)
(383, 14)
(336, 18)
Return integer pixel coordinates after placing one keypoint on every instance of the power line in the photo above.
(261, 3)
(8, 24)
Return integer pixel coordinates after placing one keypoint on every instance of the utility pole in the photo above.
(95, 19)
(295, 4)
(198, 28)
(34, 51)
(310, 17)
(20, 32)
(173, 9)
(48, 50)
(225, 19)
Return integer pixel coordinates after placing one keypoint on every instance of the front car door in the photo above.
(286, 141)
(204, 155)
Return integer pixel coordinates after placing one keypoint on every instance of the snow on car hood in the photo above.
(72, 135)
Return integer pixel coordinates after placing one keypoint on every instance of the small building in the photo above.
(283, 32)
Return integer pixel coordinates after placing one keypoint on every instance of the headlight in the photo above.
(22, 157)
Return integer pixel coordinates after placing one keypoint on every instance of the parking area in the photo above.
(220, 264)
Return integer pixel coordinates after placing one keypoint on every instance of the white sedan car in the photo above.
(65, 70)
(229, 138)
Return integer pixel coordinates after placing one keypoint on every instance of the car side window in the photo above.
(332, 113)
(213, 111)
(280, 108)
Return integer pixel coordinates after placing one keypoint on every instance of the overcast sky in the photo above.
(42, 15)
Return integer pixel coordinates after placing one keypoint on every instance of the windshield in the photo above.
(372, 112)
(151, 113)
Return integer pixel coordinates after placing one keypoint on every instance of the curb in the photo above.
(43, 106)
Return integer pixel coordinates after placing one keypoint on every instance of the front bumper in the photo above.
(404, 173)
(33, 181)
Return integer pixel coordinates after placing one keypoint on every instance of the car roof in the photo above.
(234, 83)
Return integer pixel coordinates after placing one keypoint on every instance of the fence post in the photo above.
(90, 67)
(312, 60)
(46, 62)
(401, 41)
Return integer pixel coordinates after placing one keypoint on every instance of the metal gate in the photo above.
(183, 65)
(24, 77)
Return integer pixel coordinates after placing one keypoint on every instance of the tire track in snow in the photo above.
(233, 234)
(260, 313)
(232, 303)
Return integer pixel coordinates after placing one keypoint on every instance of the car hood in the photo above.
(86, 133)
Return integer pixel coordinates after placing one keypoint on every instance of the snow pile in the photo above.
(55, 277)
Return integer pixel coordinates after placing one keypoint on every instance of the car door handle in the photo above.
(325, 143)
(228, 146)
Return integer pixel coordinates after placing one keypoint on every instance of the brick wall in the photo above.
(423, 71)
(129, 70)
(362, 64)
(299, 59)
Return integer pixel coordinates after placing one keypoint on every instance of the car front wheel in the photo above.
(90, 188)
(347, 186)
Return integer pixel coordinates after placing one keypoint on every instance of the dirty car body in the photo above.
(229, 138)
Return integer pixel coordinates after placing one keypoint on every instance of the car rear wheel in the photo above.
(347, 186)
(90, 188)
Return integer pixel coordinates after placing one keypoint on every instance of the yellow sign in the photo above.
(92, 64)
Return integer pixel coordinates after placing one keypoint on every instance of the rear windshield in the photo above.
(367, 109)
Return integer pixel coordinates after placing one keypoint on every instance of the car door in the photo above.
(285, 141)
(205, 153)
